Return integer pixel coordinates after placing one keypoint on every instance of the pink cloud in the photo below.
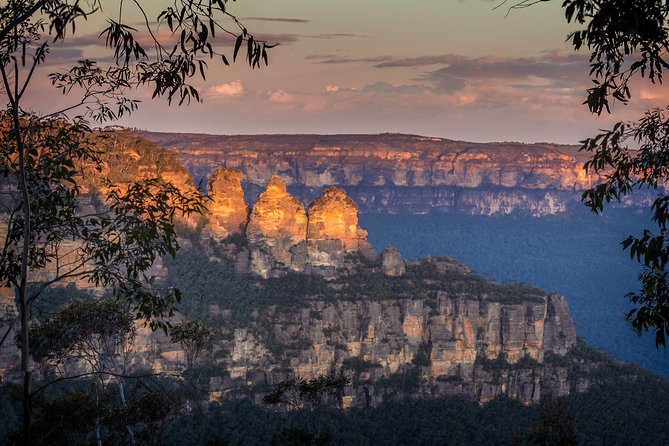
(280, 96)
(229, 89)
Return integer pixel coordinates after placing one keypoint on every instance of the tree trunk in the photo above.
(98, 439)
(24, 307)
(22, 286)
(121, 392)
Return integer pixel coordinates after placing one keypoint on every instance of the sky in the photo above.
(458, 69)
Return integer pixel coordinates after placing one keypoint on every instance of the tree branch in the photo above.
(18, 19)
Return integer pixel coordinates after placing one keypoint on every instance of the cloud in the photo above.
(276, 19)
(280, 96)
(446, 59)
(229, 89)
(321, 56)
(390, 89)
(651, 93)
(332, 88)
(79, 41)
(551, 69)
(336, 35)
(335, 59)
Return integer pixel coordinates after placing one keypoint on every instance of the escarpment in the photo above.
(399, 173)
(438, 325)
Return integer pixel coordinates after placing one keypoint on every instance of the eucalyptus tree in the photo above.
(43, 157)
(100, 334)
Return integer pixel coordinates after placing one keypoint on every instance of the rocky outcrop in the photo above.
(392, 262)
(277, 231)
(228, 209)
(558, 325)
(334, 216)
(281, 236)
(333, 230)
(277, 218)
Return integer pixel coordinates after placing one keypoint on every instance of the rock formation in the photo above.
(277, 215)
(333, 229)
(334, 216)
(392, 262)
(556, 329)
(228, 209)
(277, 230)
(281, 236)
(440, 321)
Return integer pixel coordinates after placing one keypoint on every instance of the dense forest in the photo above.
(620, 412)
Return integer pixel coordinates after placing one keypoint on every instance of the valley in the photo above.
(311, 285)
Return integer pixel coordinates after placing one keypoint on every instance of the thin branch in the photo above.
(17, 20)
(36, 60)
(159, 47)
(41, 389)
(9, 330)
(520, 5)
(5, 81)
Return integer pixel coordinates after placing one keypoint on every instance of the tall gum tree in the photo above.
(44, 157)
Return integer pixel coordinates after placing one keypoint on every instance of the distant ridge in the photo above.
(392, 172)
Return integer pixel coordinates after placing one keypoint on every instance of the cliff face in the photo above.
(334, 215)
(375, 319)
(228, 210)
(456, 333)
(281, 235)
(333, 229)
(277, 231)
(277, 215)
(394, 173)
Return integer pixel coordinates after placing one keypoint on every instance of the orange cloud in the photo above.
(229, 89)
(280, 96)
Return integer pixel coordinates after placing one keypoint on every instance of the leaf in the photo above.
(238, 44)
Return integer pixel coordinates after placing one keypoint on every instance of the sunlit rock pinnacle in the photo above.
(277, 215)
(229, 211)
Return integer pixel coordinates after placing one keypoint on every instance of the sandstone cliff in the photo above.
(457, 333)
(277, 230)
(227, 208)
(375, 319)
(333, 229)
(277, 215)
(282, 236)
(398, 173)
(392, 262)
